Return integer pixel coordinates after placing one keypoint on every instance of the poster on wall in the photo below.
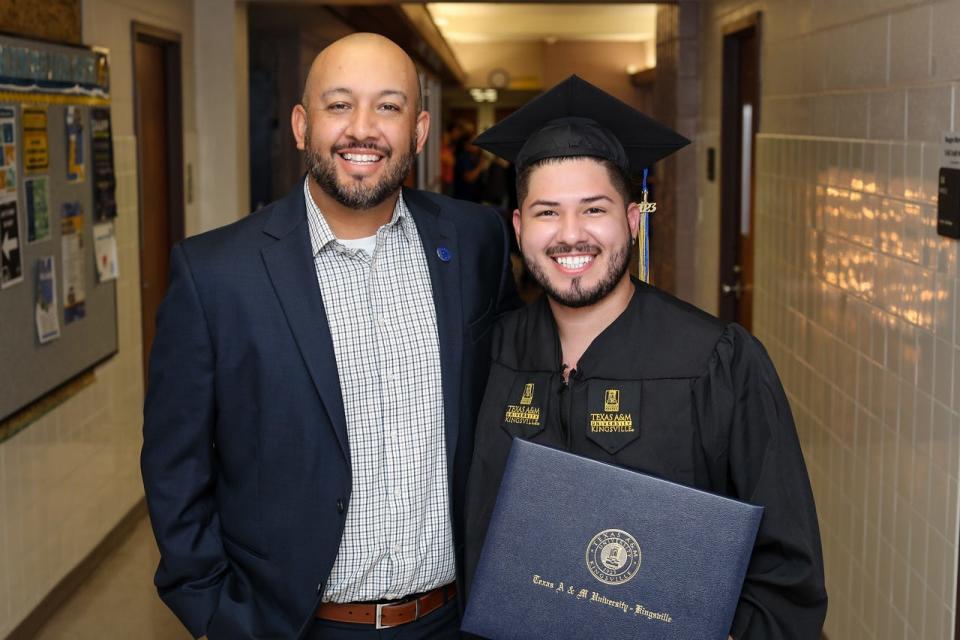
(104, 181)
(46, 313)
(11, 266)
(36, 201)
(36, 145)
(8, 150)
(76, 164)
(71, 246)
(105, 249)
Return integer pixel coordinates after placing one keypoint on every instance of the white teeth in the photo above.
(356, 157)
(573, 262)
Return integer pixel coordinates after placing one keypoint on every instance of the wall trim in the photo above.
(69, 584)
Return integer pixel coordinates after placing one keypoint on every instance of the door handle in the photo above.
(734, 289)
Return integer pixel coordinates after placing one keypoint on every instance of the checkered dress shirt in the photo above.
(397, 539)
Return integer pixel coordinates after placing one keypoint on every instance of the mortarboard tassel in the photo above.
(646, 208)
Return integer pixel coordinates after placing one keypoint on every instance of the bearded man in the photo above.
(314, 381)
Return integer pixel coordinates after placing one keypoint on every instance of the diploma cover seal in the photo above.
(613, 556)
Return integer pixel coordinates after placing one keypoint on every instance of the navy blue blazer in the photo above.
(246, 462)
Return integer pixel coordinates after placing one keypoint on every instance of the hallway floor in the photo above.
(118, 600)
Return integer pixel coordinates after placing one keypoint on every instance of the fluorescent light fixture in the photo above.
(483, 95)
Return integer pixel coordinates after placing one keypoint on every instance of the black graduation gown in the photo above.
(712, 415)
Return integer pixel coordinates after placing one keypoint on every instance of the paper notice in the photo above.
(71, 245)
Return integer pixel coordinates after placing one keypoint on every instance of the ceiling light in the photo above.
(483, 95)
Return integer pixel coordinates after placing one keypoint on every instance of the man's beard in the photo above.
(576, 296)
(359, 194)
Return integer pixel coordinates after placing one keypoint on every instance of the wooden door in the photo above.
(740, 123)
(159, 158)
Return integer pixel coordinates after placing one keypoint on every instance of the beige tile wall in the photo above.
(856, 304)
(855, 292)
(67, 479)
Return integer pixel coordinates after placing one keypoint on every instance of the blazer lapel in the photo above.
(289, 262)
(439, 238)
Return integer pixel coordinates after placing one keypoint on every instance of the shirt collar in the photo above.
(321, 235)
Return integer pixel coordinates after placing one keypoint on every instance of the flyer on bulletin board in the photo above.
(71, 245)
(36, 201)
(76, 164)
(47, 314)
(105, 249)
(101, 153)
(8, 150)
(36, 145)
(11, 265)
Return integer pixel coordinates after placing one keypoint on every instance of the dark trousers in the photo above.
(442, 624)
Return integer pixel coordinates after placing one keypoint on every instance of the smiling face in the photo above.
(360, 123)
(575, 231)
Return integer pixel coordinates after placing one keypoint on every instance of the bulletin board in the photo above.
(58, 257)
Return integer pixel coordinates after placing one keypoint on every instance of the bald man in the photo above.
(315, 378)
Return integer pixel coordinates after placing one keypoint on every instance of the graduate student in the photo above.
(698, 402)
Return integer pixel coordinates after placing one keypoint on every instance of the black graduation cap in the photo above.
(575, 118)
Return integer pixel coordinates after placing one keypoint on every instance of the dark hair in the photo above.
(619, 180)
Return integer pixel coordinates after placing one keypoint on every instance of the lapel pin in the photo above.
(444, 254)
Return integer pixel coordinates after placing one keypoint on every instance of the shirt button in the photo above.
(339, 506)
(397, 493)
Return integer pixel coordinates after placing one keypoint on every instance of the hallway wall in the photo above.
(538, 65)
(68, 479)
(855, 292)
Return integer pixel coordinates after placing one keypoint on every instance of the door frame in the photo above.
(170, 41)
(730, 156)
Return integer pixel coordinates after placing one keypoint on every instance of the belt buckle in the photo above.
(378, 622)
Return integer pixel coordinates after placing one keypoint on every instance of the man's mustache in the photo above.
(372, 146)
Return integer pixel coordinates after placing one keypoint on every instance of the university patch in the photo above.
(613, 413)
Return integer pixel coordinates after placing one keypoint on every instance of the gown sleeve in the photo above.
(754, 455)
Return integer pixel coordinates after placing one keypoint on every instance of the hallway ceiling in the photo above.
(464, 22)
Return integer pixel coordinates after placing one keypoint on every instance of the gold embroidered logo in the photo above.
(529, 416)
(524, 413)
(527, 396)
(611, 400)
(611, 423)
(611, 420)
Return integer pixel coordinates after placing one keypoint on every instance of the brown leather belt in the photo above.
(390, 614)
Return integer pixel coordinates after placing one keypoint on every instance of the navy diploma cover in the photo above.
(582, 549)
